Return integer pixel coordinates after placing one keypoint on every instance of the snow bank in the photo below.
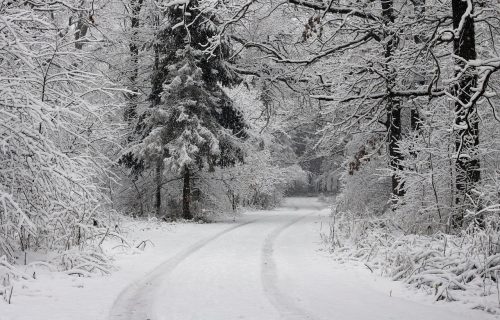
(462, 267)
(46, 281)
(43, 290)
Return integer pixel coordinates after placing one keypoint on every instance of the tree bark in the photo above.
(186, 195)
(466, 119)
(81, 30)
(131, 108)
(159, 176)
(419, 8)
(393, 103)
(394, 114)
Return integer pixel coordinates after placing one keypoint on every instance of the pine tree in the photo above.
(191, 124)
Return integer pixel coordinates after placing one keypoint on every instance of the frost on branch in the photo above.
(51, 168)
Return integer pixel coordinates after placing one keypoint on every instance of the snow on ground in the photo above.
(56, 296)
(266, 265)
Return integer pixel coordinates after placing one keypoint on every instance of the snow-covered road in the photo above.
(269, 266)
(266, 265)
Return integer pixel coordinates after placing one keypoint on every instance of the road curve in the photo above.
(270, 269)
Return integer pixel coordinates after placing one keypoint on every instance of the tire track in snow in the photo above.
(285, 305)
(135, 302)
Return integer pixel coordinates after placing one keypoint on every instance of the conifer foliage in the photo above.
(191, 124)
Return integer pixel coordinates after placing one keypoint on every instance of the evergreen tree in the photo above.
(191, 124)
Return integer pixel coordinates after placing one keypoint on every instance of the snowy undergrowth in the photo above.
(95, 258)
(462, 267)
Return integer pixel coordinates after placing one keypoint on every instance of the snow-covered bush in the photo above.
(428, 171)
(52, 111)
(8, 273)
(366, 187)
(461, 267)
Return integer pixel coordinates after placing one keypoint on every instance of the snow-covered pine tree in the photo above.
(191, 124)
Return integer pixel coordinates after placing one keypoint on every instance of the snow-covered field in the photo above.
(266, 265)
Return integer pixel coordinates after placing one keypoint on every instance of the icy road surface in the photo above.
(269, 266)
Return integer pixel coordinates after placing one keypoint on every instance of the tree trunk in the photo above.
(393, 104)
(394, 114)
(159, 175)
(81, 29)
(131, 108)
(186, 195)
(466, 120)
(419, 8)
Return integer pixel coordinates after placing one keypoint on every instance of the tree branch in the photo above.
(332, 9)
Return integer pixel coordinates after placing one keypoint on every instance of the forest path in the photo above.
(269, 267)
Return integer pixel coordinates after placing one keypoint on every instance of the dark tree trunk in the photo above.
(159, 176)
(393, 104)
(81, 29)
(395, 155)
(414, 119)
(466, 120)
(158, 76)
(419, 8)
(186, 195)
(131, 108)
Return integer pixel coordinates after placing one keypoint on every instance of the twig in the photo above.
(143, 244)
(10, 294)
(369, 268)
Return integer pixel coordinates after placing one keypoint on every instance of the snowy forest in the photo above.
(367, 129)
